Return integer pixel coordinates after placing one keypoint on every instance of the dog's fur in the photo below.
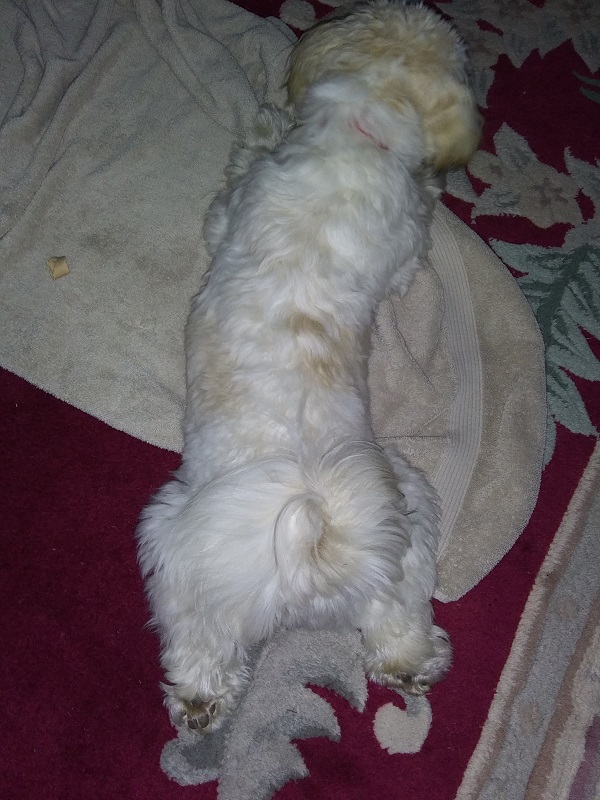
(284, 511)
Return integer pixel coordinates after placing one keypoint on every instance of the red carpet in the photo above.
(82, 715)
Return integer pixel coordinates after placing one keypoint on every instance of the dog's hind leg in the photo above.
(205, 671)
(204, 665)
(404, 648)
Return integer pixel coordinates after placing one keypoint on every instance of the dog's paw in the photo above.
(413, 684)
(197, 715)
(410, 672)
(416, 685)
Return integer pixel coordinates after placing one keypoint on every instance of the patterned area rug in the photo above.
(519, 715)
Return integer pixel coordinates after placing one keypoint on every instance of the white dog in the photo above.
(285, 511)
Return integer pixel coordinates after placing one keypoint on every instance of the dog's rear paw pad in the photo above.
(199, 716)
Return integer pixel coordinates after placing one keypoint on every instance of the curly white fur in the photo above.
(284, 510)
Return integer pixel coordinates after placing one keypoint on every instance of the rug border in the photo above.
(518, 665)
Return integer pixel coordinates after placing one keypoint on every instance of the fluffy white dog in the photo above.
(285, 511)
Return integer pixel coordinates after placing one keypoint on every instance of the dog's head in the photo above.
(409, 58)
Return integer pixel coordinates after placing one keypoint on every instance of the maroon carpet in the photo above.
(82, 715)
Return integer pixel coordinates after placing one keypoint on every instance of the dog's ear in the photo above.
(451, 122)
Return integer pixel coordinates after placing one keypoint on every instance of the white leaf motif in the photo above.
(403, 731)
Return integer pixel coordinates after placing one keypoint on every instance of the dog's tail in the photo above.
(345, 530)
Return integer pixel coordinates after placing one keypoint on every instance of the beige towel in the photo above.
(465, 343)
(118, 120)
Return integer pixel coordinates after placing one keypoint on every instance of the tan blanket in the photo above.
(117, 123)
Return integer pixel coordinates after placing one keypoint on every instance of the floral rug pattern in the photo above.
(561, 279)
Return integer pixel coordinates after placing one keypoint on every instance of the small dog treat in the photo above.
(58, 267)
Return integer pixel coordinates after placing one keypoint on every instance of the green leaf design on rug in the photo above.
(577, 21)
(526, 27)
(589, 93)
(563, 289)
(516, 20)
